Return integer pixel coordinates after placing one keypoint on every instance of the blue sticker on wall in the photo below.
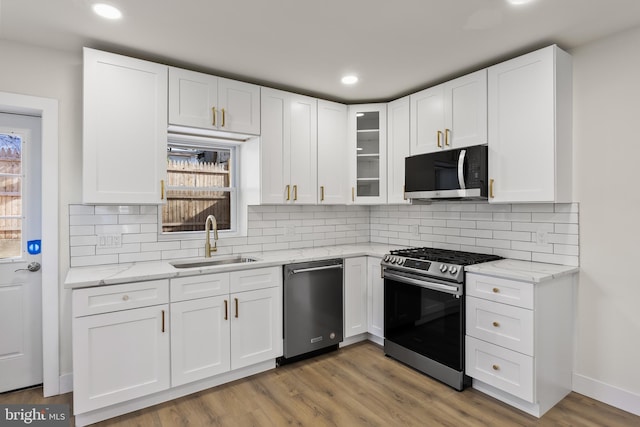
(34, 247)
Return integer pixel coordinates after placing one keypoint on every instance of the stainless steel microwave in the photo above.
(459, 174)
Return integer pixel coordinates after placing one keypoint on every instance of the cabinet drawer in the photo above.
(501, 324)
(501, 290)
(505, 369)
(207, 285)
(104, 299)
(259, 278)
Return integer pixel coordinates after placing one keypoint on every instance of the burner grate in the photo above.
(445, 255)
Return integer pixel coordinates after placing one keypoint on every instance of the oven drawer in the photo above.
(504, 369)
(104, 299)
(496, 289)
(501, 324)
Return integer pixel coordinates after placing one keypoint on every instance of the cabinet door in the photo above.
(427, 120)
(333, 163)
(303, 148)
(398, 143)
(239, 105)
(375, 295)
(119, 356)
(368, 144)
(124, 129)
(199, 339)
(256, 326)
(355, 296)
(465, 110)
(522, 128)
(274, 166)
(193, 99)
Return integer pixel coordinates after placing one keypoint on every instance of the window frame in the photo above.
(208, 143)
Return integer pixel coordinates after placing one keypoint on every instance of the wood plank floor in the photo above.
(355, 386)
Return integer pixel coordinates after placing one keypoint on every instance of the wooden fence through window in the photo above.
(10, 197)
(187, 209)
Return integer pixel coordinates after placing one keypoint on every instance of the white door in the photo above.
(20, 289)
(355, 296)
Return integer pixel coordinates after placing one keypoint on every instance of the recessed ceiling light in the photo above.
(107, 11)
(519, 2)
(349, 80)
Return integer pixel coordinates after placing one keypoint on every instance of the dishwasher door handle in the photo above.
(324, 267)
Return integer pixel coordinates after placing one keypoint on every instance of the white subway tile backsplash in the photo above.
(507, 230)
(568, 218)
(82, 230)
(566, 228)
(92, 219)
(139, 257)
(111, 209)
(118, 229)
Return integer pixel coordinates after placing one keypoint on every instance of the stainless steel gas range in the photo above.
(424, 322)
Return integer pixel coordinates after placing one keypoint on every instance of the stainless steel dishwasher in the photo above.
(312, 308)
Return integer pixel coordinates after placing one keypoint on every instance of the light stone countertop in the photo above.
(528, 271)
(112, 274)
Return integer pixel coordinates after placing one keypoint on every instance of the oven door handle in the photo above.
(422, 283)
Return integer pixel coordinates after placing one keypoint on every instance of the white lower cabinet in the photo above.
(519, 339)
(375, 296)
(119, 355)
(133, 340)
(363, 298)
(355, 296)
(240, 325)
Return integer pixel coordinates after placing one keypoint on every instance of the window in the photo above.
(11, 182)
(200, 182)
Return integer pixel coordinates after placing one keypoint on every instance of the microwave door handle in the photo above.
(463, 153)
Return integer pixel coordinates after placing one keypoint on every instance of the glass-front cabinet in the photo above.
(368, 140)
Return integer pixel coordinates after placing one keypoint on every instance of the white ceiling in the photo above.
(396, 47)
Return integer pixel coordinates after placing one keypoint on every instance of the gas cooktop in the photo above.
(442, 263)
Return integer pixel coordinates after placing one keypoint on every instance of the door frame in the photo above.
(47, 110)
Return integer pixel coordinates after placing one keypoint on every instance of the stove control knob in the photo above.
(401, 261)
(443, 268)
(386, 258)
(453, 270)
(396, 260)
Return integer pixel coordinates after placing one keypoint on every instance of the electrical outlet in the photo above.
(108, 241)
(413, 229)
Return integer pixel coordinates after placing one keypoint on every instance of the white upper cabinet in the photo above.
(530, 128)
(209, 102)
(333, 154)
(450, 115)
(367, 132)
(289, 140)
(124, 129)
(397, 148)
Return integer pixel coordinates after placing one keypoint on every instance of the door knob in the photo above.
(33, 266)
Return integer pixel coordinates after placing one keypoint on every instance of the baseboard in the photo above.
(614, 396)
(66, 383)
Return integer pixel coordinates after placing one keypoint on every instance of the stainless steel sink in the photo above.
(213, 261)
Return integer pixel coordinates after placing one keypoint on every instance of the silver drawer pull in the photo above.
(125, 298)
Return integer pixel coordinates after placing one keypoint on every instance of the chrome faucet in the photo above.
(210, 222)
